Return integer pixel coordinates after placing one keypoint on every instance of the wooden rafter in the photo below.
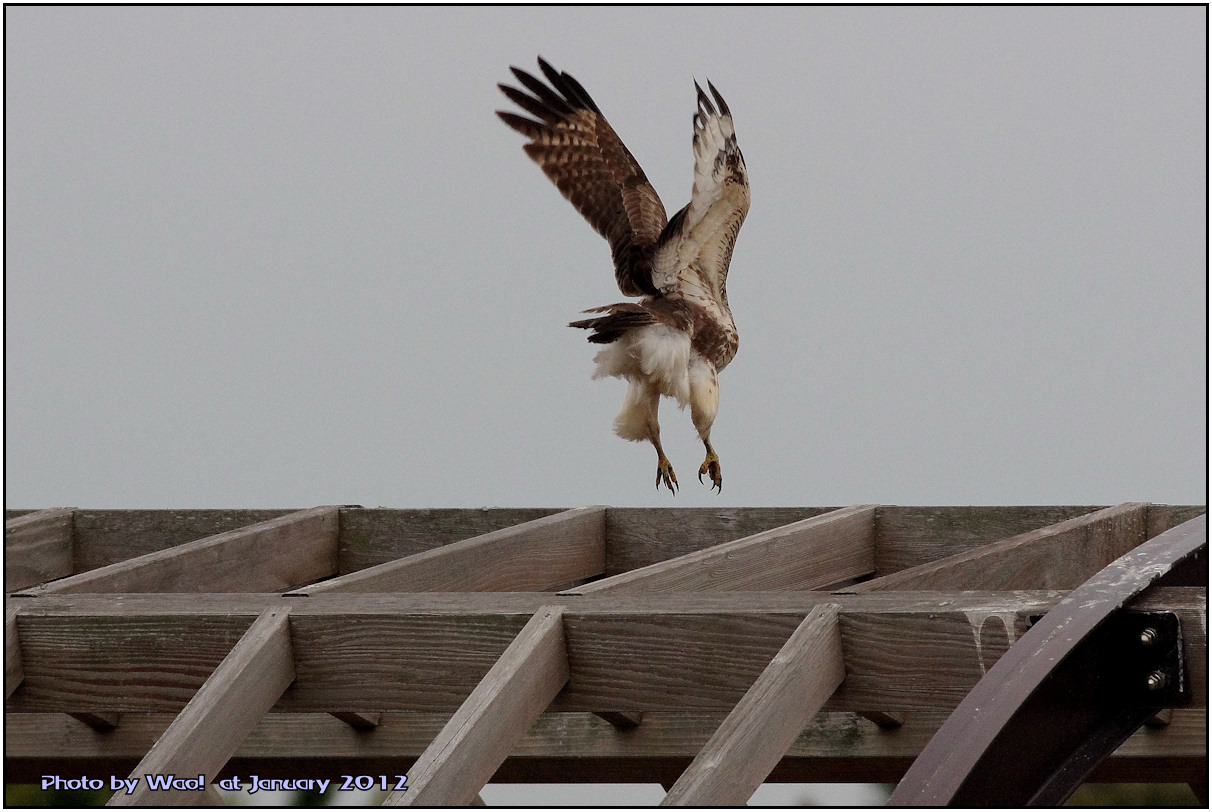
(1060, 556)
(762, 726)
(37, 548)
(268, 556)
(493, 719)
(807, 554)
(542, 554)
(224, 710)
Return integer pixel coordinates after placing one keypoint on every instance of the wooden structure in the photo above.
(709, 650)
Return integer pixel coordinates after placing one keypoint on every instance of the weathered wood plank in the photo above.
(638, 537)
(1060, 556)
(105, 537)
(13, 674)
(538, 555)
(1165, 517)
(905, 651)
(371, 536)
(807, 554)
(906, 536)
(761, 728)
(496, 716)
(37, 548)
(270, 556)
(225, 709)
(834, 746)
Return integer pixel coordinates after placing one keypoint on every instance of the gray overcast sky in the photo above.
(288, 256)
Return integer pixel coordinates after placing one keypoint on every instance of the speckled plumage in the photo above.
(681, 333)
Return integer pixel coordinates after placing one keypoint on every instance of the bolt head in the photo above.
(1149, 636)
(1156, 681)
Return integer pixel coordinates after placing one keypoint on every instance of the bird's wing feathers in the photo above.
(581, 154)
(703, 234)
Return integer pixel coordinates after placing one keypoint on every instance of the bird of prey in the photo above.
(679, 335)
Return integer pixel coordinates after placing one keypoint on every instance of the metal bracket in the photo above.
(1134, 658)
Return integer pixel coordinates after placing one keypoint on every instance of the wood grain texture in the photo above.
(807, 554)
(426, 651)
(108, 536)
(37, 548)
(542, 554)
(638, 537)
(833, 746)
(371, 536)
(13, 673)
(906, 536)
(269, 556)
(495, 717)
(1165, 517)
(226, 708)
(762, 727)
(1060, 556)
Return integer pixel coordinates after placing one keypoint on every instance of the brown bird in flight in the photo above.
(680, 334)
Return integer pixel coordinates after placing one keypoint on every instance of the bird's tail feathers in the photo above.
(618, 320)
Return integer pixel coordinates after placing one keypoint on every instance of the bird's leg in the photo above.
(704, 403)
(664, 467)
(638, 421)
(711, 467)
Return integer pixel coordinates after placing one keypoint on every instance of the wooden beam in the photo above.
(638, 537)
(269, 556)
(226, 708)
(13, 674)
(908, 535)
(37, 548)
(564, 747)
(496, 716)
(103, 537)
(372, 536)
(1060, 556)
(538, 555)
(904, 651)
(807, 554)
(768, 719)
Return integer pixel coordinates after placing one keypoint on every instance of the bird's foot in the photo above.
(711, 467)
(665, 474)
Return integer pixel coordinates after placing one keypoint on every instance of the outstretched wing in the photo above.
(697, 246)
(587, 162)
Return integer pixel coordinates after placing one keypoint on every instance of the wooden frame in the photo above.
(224, 710)
(677, 652)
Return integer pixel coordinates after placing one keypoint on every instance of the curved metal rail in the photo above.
(1070, 691)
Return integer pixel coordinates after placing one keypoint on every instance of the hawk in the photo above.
(679, 335)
